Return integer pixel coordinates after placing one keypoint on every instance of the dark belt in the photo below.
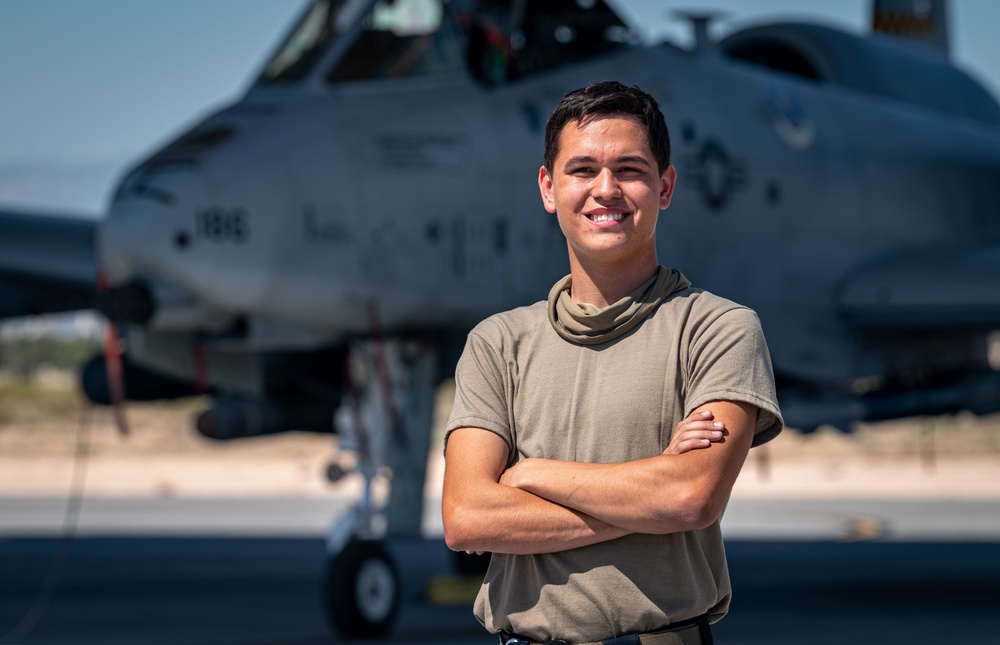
(694, 631)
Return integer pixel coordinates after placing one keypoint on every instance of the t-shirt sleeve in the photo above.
(482, 391)
(729, 361)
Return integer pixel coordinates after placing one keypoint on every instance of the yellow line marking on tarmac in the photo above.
(866, 528)
(454, 590)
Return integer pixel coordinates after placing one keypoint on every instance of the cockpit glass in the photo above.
(402, 38)
(506, 40)
(322, 22)
(496, 41)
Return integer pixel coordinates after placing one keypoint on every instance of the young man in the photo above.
(596, 436)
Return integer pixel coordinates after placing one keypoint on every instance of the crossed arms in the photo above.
(545, 506)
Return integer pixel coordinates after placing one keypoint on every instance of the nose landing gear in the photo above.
(392, 407)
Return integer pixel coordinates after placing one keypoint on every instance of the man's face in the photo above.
(607, 191)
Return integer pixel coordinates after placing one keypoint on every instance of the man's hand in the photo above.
(682, 489)
(697, 431)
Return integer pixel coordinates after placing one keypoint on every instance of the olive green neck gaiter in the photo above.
(586, 324)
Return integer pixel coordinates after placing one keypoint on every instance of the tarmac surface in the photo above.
(206, 572)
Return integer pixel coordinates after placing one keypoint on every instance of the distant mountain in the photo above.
(62, 188)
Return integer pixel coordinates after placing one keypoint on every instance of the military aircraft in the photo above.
(314, 254)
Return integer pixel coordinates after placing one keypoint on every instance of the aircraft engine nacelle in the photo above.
(941, 394)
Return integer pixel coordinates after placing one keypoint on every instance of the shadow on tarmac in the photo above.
(246, 591)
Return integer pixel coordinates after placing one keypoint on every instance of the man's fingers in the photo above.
(693, 439)
(698, 430)
(686, 445)
(701, 435)
(699, 426)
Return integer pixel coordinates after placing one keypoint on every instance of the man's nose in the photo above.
(606, 185)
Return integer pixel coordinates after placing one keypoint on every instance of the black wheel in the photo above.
(361, 588)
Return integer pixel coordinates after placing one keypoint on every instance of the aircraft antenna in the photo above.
(700, 22)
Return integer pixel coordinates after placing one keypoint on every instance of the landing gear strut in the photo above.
(392, 413)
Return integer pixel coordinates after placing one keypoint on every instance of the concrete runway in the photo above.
(199, 584)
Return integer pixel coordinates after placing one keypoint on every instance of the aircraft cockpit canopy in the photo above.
(510, 40)
(494, 41)
(402, 38)
(307, 41)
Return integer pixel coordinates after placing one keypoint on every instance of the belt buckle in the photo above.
(513, 640)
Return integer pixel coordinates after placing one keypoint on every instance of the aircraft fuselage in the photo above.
(309, 207)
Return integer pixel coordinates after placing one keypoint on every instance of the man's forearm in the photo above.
(481, 514)
(502, 519)
(662, 494)
(639, 497)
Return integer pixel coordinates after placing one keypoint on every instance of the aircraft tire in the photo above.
(361, 590)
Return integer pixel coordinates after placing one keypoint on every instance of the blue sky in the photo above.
(90, 85)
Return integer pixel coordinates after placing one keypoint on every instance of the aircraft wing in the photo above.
(942, 287)
(47, 264)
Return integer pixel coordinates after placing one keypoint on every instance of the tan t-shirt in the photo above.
(603, 403)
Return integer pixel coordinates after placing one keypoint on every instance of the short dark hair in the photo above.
(609, 98)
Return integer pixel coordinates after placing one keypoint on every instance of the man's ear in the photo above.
(667, 182)
(545, 188)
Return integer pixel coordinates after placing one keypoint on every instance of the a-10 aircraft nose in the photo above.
(145, 230)
(189, 240)
(141, 245)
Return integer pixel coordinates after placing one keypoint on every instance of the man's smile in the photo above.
(603, 217)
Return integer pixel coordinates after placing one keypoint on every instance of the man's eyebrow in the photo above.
(579, 159)
(636, 159)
